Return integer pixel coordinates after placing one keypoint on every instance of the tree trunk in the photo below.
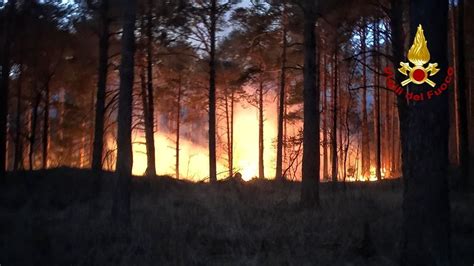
(261, 172)
(228, 131)
(348, 135)
(395, 140)
(378, 163)
(18, 160)
(285, 134)
(45, 135)
(281, 106)
(4, 85)
(212, 93)
(387, 148)
(334, 121)
(231, 153)
(462, 101)
(150, 103)
(34, 122)
(62, 115)
(98, 145)
(310, 175)
(425, 131)
(178, 125)
(143, 94)
(341, 115)
(324, 120)
(453, 35)
(121, 203)
(84, 146)
(393, 135)
(365, 121)
(398, 50)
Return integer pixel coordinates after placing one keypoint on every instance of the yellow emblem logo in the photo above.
(419, 55)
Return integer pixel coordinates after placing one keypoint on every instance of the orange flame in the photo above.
(419, 53)
(194, 160)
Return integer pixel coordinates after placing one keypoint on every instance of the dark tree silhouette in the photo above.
(261, 169)
(121, 204)
(310, 177)
(149, 103)
(464, 156)
(365, 120)
(325, 115)
(334, 118)
(45, 135)
(4, 82)
(377, 118)
(98, 145)
(212, 91)
(398, 40)
(178, 123)
(425, 125)
(18, 159)
(281, 95)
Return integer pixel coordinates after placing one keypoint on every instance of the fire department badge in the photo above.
(419, 55)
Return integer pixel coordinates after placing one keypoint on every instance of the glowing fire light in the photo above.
(194, 160)
(372, 177)
(249, 170)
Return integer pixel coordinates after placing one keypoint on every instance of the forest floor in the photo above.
(50, 218)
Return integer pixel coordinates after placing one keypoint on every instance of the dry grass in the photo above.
(46, 218)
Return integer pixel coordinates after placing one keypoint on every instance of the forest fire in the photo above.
(194, 156)
(215, 132)
(368, 178)
(356, 126)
